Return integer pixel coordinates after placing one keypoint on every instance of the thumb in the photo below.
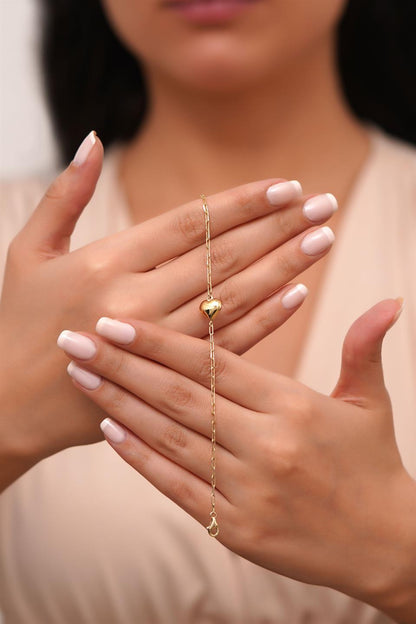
(49, 228)
(361, 380)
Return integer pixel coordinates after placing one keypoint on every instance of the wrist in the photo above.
(394, 591)
(18, 449)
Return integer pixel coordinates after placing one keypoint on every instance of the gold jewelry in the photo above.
(210, 307)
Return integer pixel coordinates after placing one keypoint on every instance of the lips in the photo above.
(190, 2)
(209, 12)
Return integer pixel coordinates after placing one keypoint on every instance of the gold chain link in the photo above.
(212, 528)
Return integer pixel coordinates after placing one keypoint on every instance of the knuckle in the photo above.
(286, 263)
(57, 189)
(116, 401)
(178, 490)
(221, 368)
(267, 323)
(138, 456)
(282, 454)
(98, 268)
(176, 397)
(247, 201)
(232, 298)
(173, 439)
(223, 255)
(190, 226)
(225, 341)
(114, 363)
(202, 370)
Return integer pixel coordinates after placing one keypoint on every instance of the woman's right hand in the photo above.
(154, 271)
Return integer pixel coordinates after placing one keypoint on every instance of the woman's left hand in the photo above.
(309, 486)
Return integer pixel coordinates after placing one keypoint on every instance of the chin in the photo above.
(220, 70)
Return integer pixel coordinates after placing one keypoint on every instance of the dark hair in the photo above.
(93, 81)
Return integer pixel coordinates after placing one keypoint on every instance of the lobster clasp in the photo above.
(213, 528)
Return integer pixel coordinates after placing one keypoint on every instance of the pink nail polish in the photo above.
(283, 192)
(85, 378)
(85, 148)
(123, 333)
(320, 207)
(316, 242)
(77, 345)
(294, 296)
(113, 431)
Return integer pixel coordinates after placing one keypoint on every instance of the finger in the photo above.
(175, 482)
(239, 248)
(182, 399)
(239, 336)
(173, 233)
(51, 225)
(242, 292)
(189, 356)
(173, 440)
(362, 379)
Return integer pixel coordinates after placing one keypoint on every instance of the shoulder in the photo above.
(394, 158)
(386, 187)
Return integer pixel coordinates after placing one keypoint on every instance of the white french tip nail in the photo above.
(123, 333)
(112, 431)
(85, 378)
(294, 296)
(317, 241)
(85, 148)
(283, 192)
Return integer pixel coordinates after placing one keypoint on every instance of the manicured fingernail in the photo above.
(77, 345)
(85, 378)
(320, 207)
(283, 192)
(85, 148)
(123, 333)
(316, 242)
(112, 431)
(294, 296)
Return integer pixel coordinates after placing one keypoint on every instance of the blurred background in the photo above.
(26, 141)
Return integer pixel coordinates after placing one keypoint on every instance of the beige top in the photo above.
(85, 539)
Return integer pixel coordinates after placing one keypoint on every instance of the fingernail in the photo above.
(112, 431)
(77, 345)
(283, 192)
(294, 296)
(316, 242)
(124, 333)
(320, 207)
(85, 148)
(85, 378)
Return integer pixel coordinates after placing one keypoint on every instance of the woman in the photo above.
(222, 91)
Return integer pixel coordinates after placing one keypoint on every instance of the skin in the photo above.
(266, 85)
(118, 273)
(238, 103)
(275, 94)
(315, 482)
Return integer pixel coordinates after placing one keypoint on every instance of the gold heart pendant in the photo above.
(211, 307)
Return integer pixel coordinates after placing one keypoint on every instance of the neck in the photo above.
(294, 124)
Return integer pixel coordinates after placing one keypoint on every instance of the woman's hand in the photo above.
(309, 486)
(255, 233)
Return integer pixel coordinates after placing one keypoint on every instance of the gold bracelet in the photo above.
(210, 307)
